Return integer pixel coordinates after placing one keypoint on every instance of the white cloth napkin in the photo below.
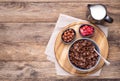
(64, 20)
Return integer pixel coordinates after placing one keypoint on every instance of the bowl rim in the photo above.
(96, 46)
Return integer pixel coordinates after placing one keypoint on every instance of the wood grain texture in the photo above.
(32, 69)
(48, 12)
(39, 33)
(100, 1)
(26, 32)
(25, 29)
(26, 48)
(22, 51)
(61, 50)
(54, 79)
(26, 69)
(35, 52)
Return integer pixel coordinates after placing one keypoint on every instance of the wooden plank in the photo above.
(114, 51)
(40, 32)
(35, 52)
(114, 34)
(21, 65)
(59, 79)
(48, 12)
(14, 36)
(100, 1)
(65, 79)
(26, 70)
(107, 1)
(20, 70)
(111, 70)
(22, 51)
(26, 32)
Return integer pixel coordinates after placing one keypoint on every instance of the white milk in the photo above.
(98, 12)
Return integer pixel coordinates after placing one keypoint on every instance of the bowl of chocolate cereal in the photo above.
(68, 36)
(82, 56)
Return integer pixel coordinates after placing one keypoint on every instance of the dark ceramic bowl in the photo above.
(81, 69)
(72, 39)
(89, 35)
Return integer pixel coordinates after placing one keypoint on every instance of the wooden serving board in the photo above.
(61, 49)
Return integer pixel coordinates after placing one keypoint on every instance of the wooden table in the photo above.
(26, 27)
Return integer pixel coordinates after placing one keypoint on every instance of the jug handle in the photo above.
(108, 19)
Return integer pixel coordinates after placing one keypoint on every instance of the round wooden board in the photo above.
(61, 49)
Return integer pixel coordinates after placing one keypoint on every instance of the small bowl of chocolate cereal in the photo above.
(68, 35)
(82, 56)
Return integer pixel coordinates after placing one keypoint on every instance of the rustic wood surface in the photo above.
(25, 28)
(61, 49)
